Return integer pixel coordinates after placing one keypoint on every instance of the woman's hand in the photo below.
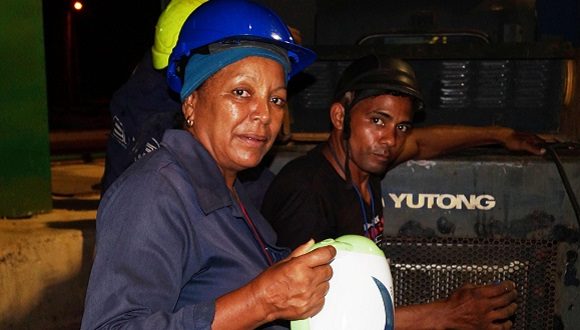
(292, 289)
(295, 287)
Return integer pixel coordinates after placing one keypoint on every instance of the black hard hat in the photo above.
(374, 75)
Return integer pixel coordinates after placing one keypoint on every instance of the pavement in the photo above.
(45, 260)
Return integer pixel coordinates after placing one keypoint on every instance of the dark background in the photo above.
(90, 53)
(105, 40)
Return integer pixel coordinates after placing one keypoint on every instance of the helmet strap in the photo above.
(345, 138)
(347, 176)
(343, 167)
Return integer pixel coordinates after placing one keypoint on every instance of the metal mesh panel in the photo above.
(427, 269)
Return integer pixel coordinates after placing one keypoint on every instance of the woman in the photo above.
(179, 245)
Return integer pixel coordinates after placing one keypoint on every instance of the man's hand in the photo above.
(482, 307)
(520, 141)
(469, 307)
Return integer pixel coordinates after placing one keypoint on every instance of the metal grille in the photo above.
(520, 93)
(427, 269)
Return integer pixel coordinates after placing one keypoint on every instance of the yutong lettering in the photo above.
(443, 201)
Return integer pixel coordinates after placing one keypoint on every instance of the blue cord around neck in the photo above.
(358, 193)
(364, 209)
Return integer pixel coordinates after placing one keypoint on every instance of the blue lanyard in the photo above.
(363, 208)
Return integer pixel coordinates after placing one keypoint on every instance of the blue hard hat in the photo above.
(230, 20)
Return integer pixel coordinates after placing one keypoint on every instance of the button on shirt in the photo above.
(170, 240)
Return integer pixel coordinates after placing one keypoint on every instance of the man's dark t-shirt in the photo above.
(308, 199)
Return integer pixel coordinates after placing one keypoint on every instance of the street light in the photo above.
(71, 68)
(77, 5)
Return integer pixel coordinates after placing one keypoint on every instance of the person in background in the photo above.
(144, 106)
(179, 244)
(335, 189)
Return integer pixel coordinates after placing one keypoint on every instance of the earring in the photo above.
(189, 122)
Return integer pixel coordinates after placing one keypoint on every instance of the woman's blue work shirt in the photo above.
(170, 240)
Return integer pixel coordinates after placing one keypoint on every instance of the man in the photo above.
(335, 189)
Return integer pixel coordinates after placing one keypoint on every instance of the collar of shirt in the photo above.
(210, 188)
